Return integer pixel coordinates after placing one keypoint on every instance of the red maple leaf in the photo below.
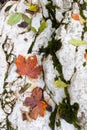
(40, 109)
(36, 96)
(36, 103)
(28, 66)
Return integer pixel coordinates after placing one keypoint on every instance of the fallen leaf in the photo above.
(82, 20)
(59, 84)
(33, 8)
(85, 56)
(36, 96)
(75, 16)
(37, 104)
(14, 18)
(77, 42)
(40, 109)
(28, 67)
(43, 26)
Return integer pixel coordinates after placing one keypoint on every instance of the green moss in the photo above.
(84, 64)
(53, 118)
(69, 112)
(52, 11)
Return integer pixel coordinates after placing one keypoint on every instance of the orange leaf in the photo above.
(28, 66)
(75, 16)
(85, 56)
(40, 109)
(20, 63)
(32, 61)
(34, 113)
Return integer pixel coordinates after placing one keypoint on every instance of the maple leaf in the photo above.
(40, 109)
(36, 96)
(28, 66)
(36, 103)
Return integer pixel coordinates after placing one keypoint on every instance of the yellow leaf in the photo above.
(59, 84)
(77, 42)
(82, 21)
(33, 8)
(43, 26)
